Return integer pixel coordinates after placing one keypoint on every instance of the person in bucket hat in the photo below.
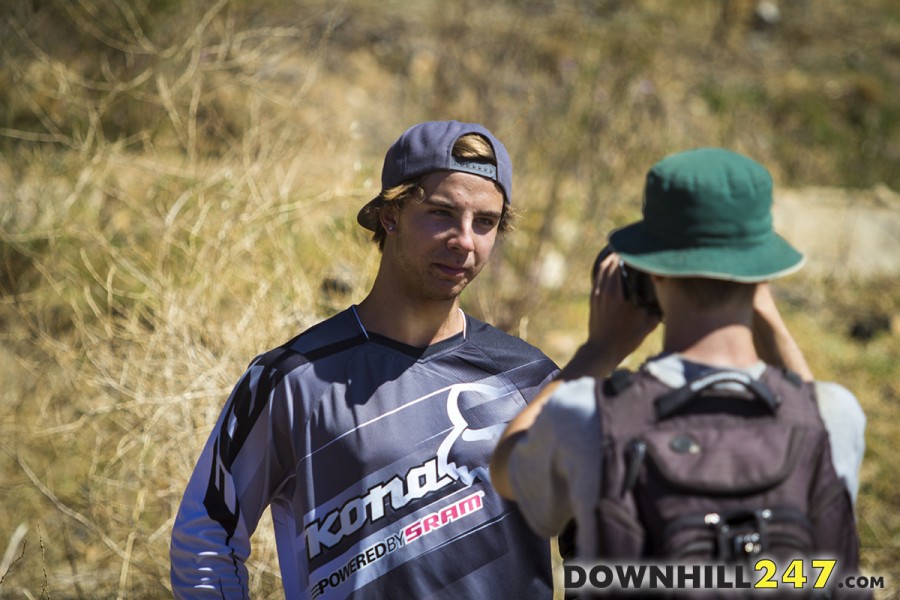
(369, 434)
(707, 243)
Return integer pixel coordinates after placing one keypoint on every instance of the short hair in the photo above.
(707, 293)
(471, 147)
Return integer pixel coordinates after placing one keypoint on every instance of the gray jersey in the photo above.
(373, 457)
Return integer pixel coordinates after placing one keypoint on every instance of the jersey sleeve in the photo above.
(245, 461)
(547, 467)
(846, 424)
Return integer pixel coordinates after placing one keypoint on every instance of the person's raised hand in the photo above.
(615, 328)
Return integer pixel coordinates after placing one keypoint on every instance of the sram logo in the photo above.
(425, 478)
(448, 514)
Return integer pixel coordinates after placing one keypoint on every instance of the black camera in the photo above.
(636, 285)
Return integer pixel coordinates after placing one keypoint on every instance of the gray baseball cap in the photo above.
(428, 147)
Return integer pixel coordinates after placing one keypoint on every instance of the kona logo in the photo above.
(425, 478)
(350, 517)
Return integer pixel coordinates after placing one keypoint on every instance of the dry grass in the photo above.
(176, 184)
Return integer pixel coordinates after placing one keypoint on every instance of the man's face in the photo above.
(440, 244)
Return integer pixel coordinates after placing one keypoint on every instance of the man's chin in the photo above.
(448, 293)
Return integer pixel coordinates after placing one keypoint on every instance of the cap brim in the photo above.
(366, 217)
(772, 258)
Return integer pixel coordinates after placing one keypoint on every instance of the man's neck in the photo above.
(714, 338)
(415, 323)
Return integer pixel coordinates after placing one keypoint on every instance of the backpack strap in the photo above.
(617, 382)
(792, 377)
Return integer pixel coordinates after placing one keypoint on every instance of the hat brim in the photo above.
(368, 218)
(772, 258)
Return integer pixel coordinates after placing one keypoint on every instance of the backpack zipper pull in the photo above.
(637, 449)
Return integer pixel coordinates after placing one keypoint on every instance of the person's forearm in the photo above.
(592, 359)
(774, 343)
(777, 347)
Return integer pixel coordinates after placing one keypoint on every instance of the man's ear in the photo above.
(389, 215)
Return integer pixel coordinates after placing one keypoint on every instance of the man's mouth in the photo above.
(452, 271)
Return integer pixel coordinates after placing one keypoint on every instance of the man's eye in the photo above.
(489, 223)
(441, 212)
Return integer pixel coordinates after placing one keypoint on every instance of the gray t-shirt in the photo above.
(555, 468)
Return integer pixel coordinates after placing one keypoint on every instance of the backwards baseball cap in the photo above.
(428, 147)
(707, 213)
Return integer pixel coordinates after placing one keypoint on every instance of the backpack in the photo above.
(719, 474)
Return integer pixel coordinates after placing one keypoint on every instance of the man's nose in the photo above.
(463, 238)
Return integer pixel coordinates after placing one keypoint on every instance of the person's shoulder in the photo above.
(835, 392)
(575, 397)
(500, 345)
(570, 419)
(324, 339)
(331, 336)
(837, 401)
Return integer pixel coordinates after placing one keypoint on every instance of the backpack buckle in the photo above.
(742, 535)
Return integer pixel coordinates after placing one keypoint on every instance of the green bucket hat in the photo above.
(707, 213)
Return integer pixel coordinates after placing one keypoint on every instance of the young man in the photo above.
(369, 435)
(706, 240)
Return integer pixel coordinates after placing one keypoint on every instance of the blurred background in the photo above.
(179, 183)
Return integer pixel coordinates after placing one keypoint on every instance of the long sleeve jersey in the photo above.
(373, 456)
